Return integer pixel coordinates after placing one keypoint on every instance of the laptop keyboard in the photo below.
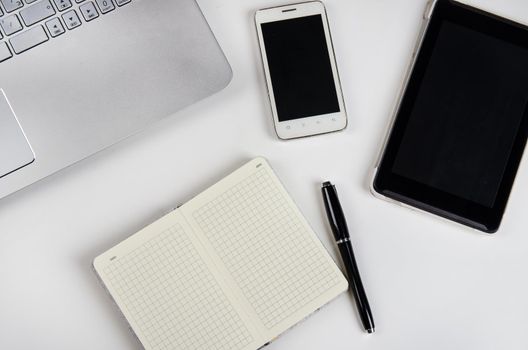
(25, 24)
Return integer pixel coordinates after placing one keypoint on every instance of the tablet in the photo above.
(460, 128)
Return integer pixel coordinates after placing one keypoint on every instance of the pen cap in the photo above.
(336, 217)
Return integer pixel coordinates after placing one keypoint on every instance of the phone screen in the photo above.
(300, 68)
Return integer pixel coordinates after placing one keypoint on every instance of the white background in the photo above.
(432, 284)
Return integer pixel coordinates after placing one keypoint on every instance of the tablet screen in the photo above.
(461, 127)
(466, 114)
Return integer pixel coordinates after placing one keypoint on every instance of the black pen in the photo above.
(337, 221)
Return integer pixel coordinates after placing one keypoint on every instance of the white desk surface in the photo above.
(432, 285)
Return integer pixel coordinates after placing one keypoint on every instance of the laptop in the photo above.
(77, 76)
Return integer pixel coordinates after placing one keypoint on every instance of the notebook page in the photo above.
(170, 295)
(250, 225)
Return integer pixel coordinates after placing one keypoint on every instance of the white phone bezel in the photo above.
(310, 125)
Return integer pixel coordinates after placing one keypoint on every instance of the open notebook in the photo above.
(230, 270)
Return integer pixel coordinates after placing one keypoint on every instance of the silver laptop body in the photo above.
(76, 76)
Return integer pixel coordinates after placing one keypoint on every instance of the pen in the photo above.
(337, 221)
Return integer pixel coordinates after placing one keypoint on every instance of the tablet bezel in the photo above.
(421, 196)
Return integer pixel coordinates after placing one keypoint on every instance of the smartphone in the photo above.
(301, 70)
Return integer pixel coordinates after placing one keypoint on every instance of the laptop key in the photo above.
(71, 19)
(63, 4)
(37, 12)
(28, 39)
(89, 11)
(12, 5)
(5, 53)
(105, 5)
(10, 24)
(55, 27)
(32, 12)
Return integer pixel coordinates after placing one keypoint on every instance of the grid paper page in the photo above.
(173, 298)
(266, 248)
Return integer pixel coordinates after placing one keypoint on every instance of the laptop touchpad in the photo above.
(15, 152)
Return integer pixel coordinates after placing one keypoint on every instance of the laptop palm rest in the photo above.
(15, 151)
